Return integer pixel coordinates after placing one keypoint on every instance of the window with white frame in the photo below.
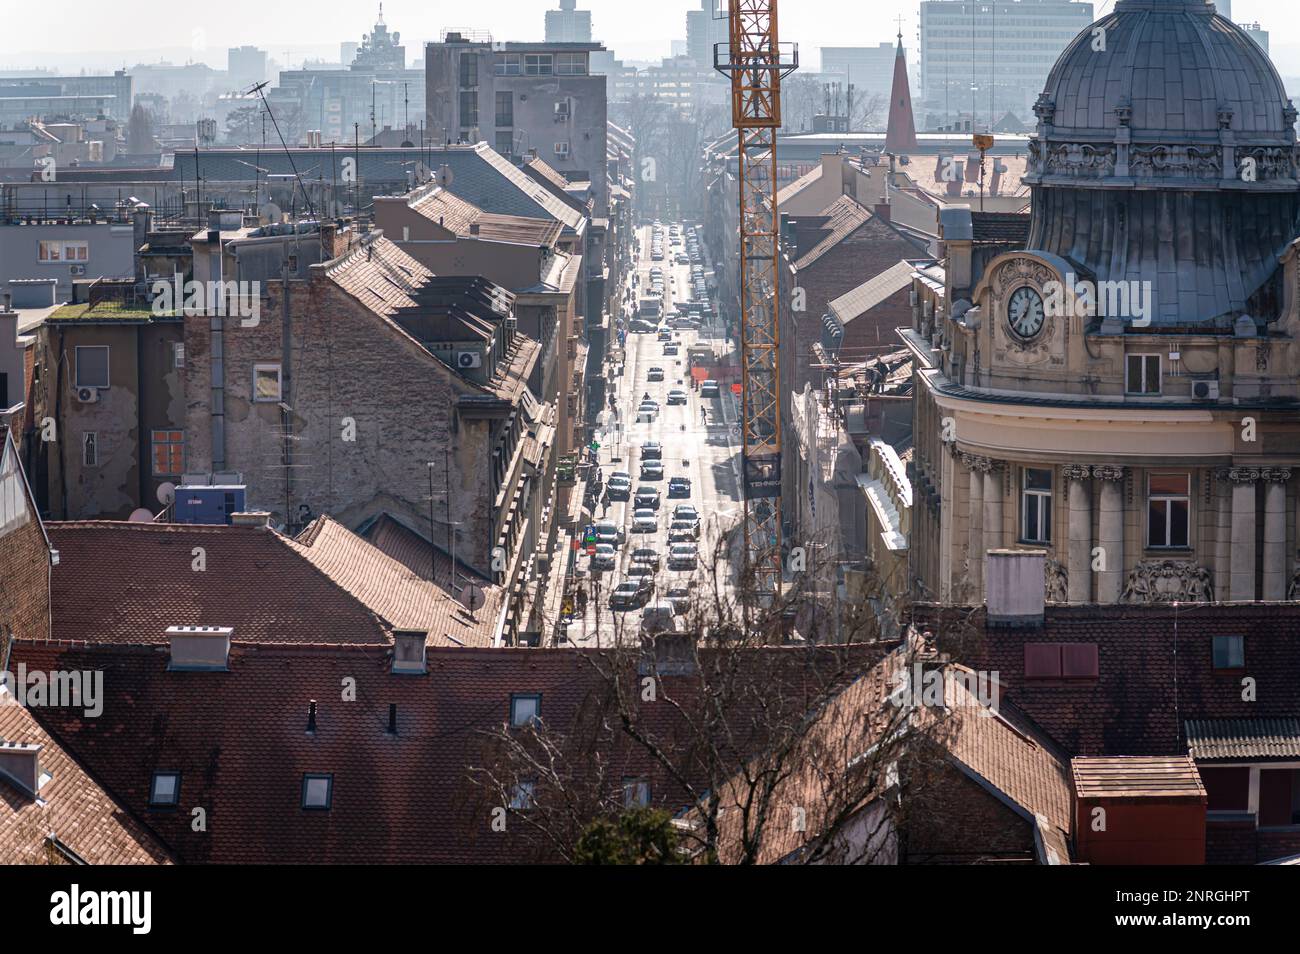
(1142, 374)
(92, 366)
(508, 64)
(525, 709)
(1036, 505)
(168, 453)
(1169, 505)
(266, 381)
(57, 250)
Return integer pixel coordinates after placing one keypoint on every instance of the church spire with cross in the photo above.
(900, 133)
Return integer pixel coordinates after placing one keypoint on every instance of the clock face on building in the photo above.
(1025, 312)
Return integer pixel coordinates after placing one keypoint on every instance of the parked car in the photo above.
(679, 487)
(604, 558)
(631, 594)
(647, 556)
(683, 556)
(647, 497)
(609, 533)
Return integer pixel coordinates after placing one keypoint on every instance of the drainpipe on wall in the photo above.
(217, 402)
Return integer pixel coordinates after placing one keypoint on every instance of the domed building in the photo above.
(1123, 391)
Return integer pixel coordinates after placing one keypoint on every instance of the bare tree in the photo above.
(766, 749)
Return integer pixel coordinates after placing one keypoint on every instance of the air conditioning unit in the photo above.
(562, 111)
(562, 150)
(469, 359)
(87, 395)
(1205, 390)
(77, 269)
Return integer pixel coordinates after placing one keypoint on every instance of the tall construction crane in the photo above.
(754, 62)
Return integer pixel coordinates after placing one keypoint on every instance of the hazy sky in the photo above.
(99, 33)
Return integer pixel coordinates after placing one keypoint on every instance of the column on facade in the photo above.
(975, 524)
(1242, 580)
(1275, 568)
(1078, 479)
(993, 507)
(946, 502)
(1110, 532)
(1223, 538)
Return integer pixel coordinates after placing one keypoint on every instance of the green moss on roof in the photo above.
(105, 311)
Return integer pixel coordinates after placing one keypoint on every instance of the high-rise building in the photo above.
(245, 65)
(705, 28)
(990, 57)
(568, 24)
(1256, 33)
(869, 68)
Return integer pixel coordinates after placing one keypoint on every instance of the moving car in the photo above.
(647, 411)
(709, 388)
(670, 349)
(631, 594)
(652, 450)
(647, 497)
(686, 512)
(641, 326)
(683, 556)
(604, 558)
(679, 487)
(683, 531)
(645, 521)
(665, 335)
(677, 396)
(652, 470)
(679, 598)
(658, 618)
(655, 374)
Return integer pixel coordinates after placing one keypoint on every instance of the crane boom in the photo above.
(755, 66)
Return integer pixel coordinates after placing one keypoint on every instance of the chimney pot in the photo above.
(311, 715)
(392, 718)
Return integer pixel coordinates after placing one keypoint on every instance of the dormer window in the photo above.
(165, 790)
(317, 792)
(525, 709)
(636, 793)
(522, 796)
(1229, 652)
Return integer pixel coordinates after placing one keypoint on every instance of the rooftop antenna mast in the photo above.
(258, 89)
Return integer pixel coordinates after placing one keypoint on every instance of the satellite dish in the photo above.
(166, 493)
(271, 212)
(140, 516)
(445, 176)
(472, 597)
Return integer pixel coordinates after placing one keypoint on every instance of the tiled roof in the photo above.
(121, 582)
(240, 741)
(1009, 227)
(1156, 673)
(872, 292)
(844, 216)
(459, 216)
(1136, 777)
(794, 188)
(379, 275)
(1243, 738)
(72, 813)
(398, 590)
(553, 205)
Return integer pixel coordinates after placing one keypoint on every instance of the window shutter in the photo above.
(1079, 660)
(1042, 660)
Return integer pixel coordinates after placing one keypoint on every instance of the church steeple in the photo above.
(900, 134)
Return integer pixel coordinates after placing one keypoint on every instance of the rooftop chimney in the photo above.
(20, 762)
(251, 518)
(1014, 584)
(473, 228)
(408, 651)
(199, 648)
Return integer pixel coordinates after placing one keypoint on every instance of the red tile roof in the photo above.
(72, 814)
(396, 586)
(1137, 776)
(120, 582)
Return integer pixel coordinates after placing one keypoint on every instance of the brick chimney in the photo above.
(1014, 587)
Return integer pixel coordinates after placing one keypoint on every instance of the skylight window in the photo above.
(165, 792)
(317, 792)
(525, 709)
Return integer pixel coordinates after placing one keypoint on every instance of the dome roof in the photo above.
(1175, 67)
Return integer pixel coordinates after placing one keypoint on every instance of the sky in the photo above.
(98, 34)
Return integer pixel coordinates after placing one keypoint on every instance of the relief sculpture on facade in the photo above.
(1056, 581)
(1168, 581)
